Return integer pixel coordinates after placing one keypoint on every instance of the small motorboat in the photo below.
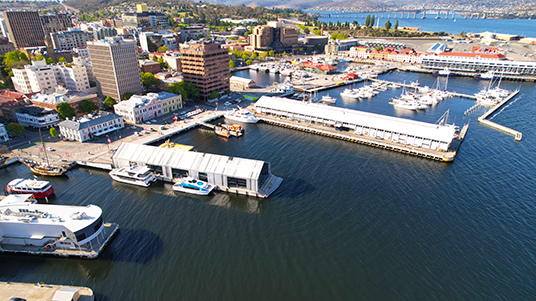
(193, 186)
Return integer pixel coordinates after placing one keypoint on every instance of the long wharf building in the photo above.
(115, 66)
(401, 131)
(477, 62)
(232, 174)
(207, 66)
(25, 28)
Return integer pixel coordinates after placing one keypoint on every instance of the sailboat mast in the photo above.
(44, 148)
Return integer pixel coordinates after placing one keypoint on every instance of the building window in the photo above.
(179, 173)
(202, 176)
(236, 182)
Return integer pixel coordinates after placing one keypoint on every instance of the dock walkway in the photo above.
(40, 291)
(483, 119)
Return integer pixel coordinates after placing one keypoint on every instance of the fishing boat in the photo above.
(37, 188)
(234, 129)
(328, 99)
(45, 169)
(222, 131)
(193, 186)
(241, 115)
(136, 175)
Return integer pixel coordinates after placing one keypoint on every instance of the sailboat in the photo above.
(45, 169)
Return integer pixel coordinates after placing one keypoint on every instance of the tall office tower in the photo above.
(207, 66)
(25, 29)
(115, 66)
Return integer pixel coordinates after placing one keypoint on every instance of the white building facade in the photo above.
(3, 133)
(139, 108)
(87, 127)
(36, 117)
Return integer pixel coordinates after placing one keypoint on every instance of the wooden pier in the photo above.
(483, 119)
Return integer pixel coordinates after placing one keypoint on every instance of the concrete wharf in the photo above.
(41, 291)
(467, 74)
(371, 141)
(483, 119)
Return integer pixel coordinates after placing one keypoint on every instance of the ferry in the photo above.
(37, 188)
(136, 175)
(234, 129)
(241, 115)
(222, 131)
(32, 228)
(193, 186)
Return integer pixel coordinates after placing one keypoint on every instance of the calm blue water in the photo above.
(523, 27)
(349, 222)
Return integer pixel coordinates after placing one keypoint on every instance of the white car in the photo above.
(153, 120)
(50, 149)
(148, 122)
(227, 103)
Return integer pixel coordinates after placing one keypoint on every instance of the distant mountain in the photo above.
(296, 4)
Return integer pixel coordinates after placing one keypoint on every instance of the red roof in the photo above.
(473, 55)
(310, 64)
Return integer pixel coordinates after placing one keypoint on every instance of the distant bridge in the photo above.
(405, 14)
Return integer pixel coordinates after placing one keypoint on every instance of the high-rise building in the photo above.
(115, 66)
(273, 36)
(56, 23)
(25, 29)
(206, 65)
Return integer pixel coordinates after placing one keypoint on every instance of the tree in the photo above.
(372, 21)
(155, 58)
(271, 53)
(249, 62)
(231, 64)
(367, 21)
(162, 49)
(162, 63)
(62, 60)
(214, 94)
(307, 30)
(14, 129)
(263, 55)
(186, 89)
(387, 25)
(109, 102)
(87, 106)
(53, 132)
(396, 24)
(126, 96)
(149, 80)
(254, 56)
(15, 59)
(66, 111)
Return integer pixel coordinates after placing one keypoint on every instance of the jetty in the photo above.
(44, 292)
(484, 118)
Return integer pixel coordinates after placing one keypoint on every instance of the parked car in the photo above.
(50, 149)
(153, 120)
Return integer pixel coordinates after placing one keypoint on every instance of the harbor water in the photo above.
(349, 222)
(456, 25)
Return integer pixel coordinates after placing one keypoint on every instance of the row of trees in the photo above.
(86, 106)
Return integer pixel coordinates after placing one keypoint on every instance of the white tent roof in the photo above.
(65, 294)
(185, 160)
(359, 118)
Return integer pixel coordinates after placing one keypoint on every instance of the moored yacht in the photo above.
(348, 93)
(193, 186)
(37, 188)
(241, 115)
(136, 175)
(328, 99)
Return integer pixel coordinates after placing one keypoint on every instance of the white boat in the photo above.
(193, 186)
(136, 175)
(273, 70)
(328, 99)
(45, 228)
(408, 105)
(241, 115)
(38, 188)
(286, 72)
(348, 93)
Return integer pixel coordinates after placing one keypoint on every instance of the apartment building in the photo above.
(56, 23)
(67, 40)
(115, 66)
(273, 36)
(206, 64)
(36, 117)
(52, 98)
